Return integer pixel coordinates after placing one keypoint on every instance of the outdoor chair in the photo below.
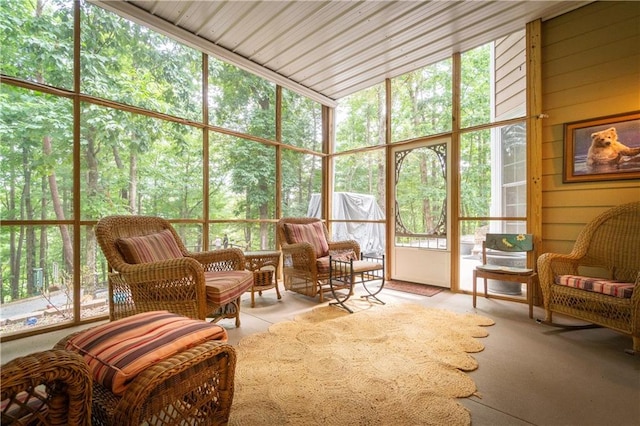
(306, 249)
(50, 387)
(598, 281)
(500, 244)
(150, 269)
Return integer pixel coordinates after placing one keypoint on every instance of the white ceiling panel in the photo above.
(331, 49)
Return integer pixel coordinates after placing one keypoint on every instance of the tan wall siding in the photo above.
(590, 68)
(511, 81)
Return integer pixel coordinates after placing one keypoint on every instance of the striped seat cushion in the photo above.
(225, 286)
(613, 288)
(149, 248)
(118, 351)
(312, 233)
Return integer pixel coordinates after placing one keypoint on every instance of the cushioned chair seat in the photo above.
(227, 285)
(613, 288)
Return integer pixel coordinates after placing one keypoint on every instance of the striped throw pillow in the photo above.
(312, 233)
(118, 351)
(149, 248)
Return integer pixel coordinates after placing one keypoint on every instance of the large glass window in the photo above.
(359, 196)
(130, 157)
(360, 119)
(129, 63)
(301, 121)
(140, 165)
(242, 178)
(493, 160)
(301, 178)
(362, 173)
(37, 41)
(241, 101)
(421, 102)
(493, 172)
(36, 156)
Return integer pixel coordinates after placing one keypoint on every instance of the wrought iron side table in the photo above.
(344, 274)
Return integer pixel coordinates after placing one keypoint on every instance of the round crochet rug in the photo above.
(393, 364)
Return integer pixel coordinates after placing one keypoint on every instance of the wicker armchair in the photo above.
(611, 243)
(50, 388)
(304, 271)
(193, 387)
(196, 285)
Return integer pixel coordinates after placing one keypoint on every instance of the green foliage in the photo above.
(475, 91)
(422, 102)
(301, 121)
(36, 41)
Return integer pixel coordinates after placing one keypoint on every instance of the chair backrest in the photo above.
(612, 241)
(509, 242)
(109, 229)
(282, 233)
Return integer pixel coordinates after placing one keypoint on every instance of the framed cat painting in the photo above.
(605, 148)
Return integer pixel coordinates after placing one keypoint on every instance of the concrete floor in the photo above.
(529, 374)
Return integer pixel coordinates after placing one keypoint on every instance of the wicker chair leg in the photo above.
(237, 303)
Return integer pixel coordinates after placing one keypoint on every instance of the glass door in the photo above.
(421, 250)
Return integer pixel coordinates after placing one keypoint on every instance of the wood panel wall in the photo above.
(590, 68)
(511, 76)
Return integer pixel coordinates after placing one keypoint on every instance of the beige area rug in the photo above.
(383, 365)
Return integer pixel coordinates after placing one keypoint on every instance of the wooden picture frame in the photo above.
(588, 158)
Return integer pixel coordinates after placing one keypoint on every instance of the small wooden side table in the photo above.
(263, 279)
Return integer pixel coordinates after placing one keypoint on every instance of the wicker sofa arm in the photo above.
(300, 256)
(67, 381)
(229, 259)
(552, 264)
(176, 285)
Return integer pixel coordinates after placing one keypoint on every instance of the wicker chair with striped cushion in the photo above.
(50, 387)
(150, 270)
(599, 280)
(306, 248)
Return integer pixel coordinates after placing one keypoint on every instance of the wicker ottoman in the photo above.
(194, 386)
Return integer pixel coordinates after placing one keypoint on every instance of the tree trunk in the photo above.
(42, 263)
(30, 240)
(67, 245)
(14, 260)
(91, 156)
(133, 181)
